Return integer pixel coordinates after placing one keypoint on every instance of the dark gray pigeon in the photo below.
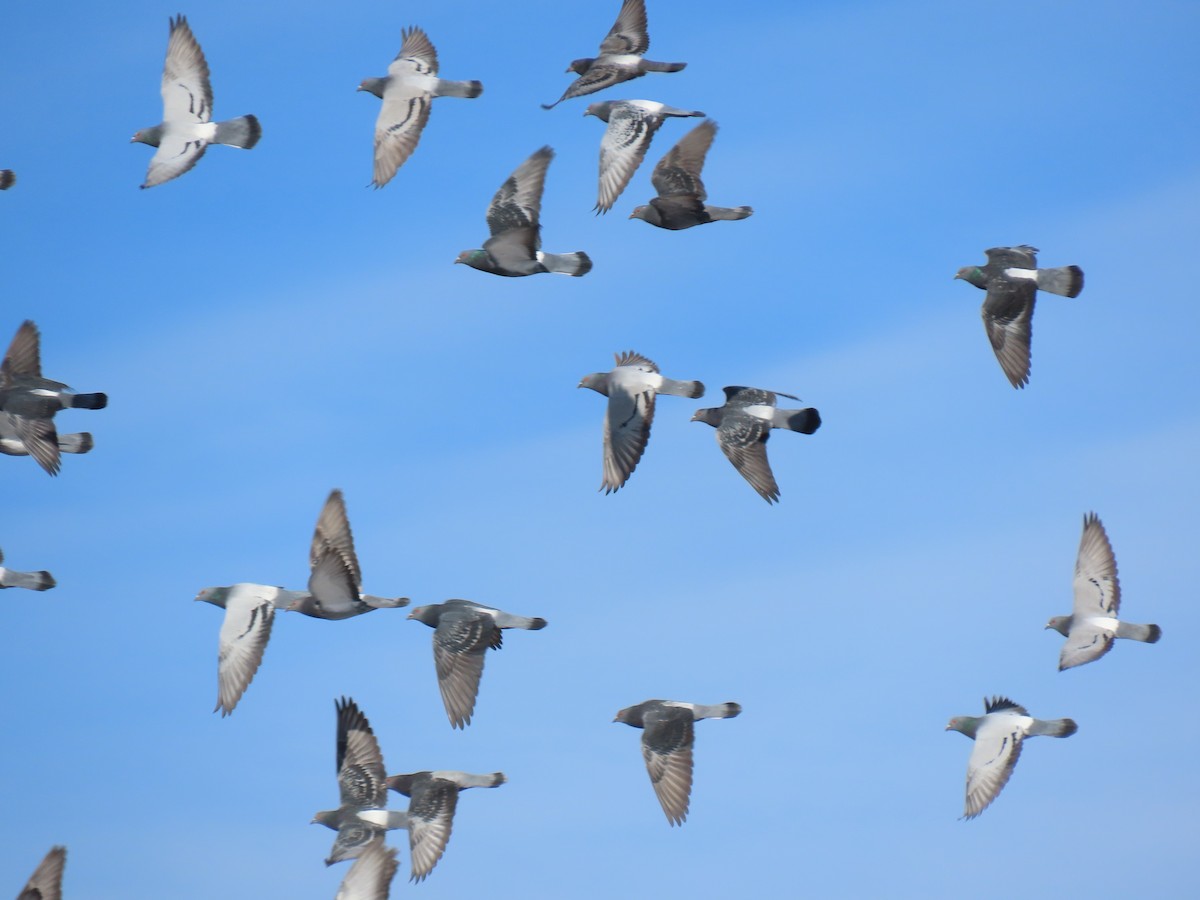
(29, 402)
(433, 799)
(998, 736)
(46, 881)
(1012, 280)
(743, 425)
(631, 387)
(12, 445)
(7, 179)
(681, 195)
(370, 876)
(631, 125)
(514, 249)
(33, 581)
(1093, 625)
(667, 739)
(187, 127)
(463, 632)
(407, 91)
(620, 56)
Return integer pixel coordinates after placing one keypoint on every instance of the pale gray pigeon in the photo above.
(407, 91)
(620, 56)
(1093, 625)
(370, 876)
(631, 387)
(667, 739)
(29, 402)
(681, 194)
(743, 425)
(33, 581)
(514, 249)
(463, 632)
(46, 881)
(631, 125)
(998, 736)
(187, 127)
(1012, 280)
(433, 797)
(7, 179)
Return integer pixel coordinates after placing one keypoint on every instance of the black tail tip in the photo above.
(474, 89)
(7, 179)
(583, 264)
(538, 624)
(1068, 728)
(1155, 634)
(1076, 281)
(255, 130)
(45, 581)
(90, 401)
(806, 421)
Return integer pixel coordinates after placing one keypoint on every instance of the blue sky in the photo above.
(269, 328)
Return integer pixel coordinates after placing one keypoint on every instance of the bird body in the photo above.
(32, 581)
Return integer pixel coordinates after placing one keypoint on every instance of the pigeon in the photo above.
(7, 179)
(1093, 624)
(370, 877)
(29, 402)
(335, 585)
(743, 425)
(631, 125)
(33, 581)
(433, 799)
(681, 194)
(620, 56)
(463, 631)
(186, 129)
(46, 881)
(667, 739)
(1012, 280)
(514, 247)
(406, 91)
(12, 445)
(630, 388)
(998, 735)
(362, 785)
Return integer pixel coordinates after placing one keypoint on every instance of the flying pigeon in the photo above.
(998, 736)
(1093, 624)
(620, 56)
(681, 194)
(630, 388)
(186, 129)
(743, 425)
(12, 445)
(1012, 280)
(463, 631)
(667, 738)
(512, 217)
(406, 91)
(34, 581)
(433, 799)
(46, 881)
(370, 876)
(29, 402)
(631, 125)
(7, 179)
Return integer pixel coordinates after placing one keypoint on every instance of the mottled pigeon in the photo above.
(34, 581)
(187, 127)
(681, 195)
(407, 91)
(46, 881)
(743, 425)
(620, 56)
(998, 735)
(463, 631)
(1012, 280)
(7, 179)
(667, 738)
(631, 387)
(514, 249)
(1093, 624)
(370, 876)
(631, 125)
(12, 445)
(433, 799)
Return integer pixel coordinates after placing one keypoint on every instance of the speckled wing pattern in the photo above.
(678, 173)
(362, 782)
(460, 641)
(1008, 310)
(743, 438)
(667, 738)
(430, 820)
(513, 214)
(622, 150)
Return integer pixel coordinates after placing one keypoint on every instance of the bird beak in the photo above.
(957, 276)
(695, 417)
(631, 216)
(410, 616)
(457, 261)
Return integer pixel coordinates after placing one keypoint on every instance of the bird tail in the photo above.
(80, 442)
(384, 602)
(495, 779)
(718, 711)
(690, 389)
(1065, 280)
(7, 179)
(33, 581)
(1054, 727)
(649, 65)
(508, 620)
(85, 401)
(1147, 634)
(729, 215)
(576, 264)
(675, 111)
(466, 89)
(244, 132)
(805, 421)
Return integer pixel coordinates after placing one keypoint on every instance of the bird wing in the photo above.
(667, 739)
(599, 75)
(629, 33)
(997, 748)
(743, 439)
(1020, 257)
(175, 155)
(518, 202)
(622, 150)
(402, 118)
(1008, 319)
(430, 819)
(459, 645)
(354, 838)
(335, 580)
(417, 54)
(24, 353)
(46, 881)
(627, 424)
(371, 875)
(186, 92)
(678, 173)
(40, 438)
(244, 635)
(1086, 641)
(736, 395)
(1097, 588)
(362, 781)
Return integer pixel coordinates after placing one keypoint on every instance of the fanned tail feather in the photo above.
(1147, 634)
(805, 421)
(244, 132)
(729, 215)
(1065, 280)
(85, 401)
(1054, 727)
(650, 65)
(466, 89)
(575, 264)
(32, 581)
(690, 389)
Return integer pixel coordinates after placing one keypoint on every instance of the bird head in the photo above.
(1061, 624)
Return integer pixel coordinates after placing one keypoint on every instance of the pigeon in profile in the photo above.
(620, 56)
(1012, 280)
(33, 581)
(46, 881)
(462, 633)
(1093, 625)
(667, 738)
(186, 129)
(681, 195)
(12, 445)
(7, 179)
(743, 425)
(630, 388)
(433, 799)
(998, 736)
(406, 91)
(514, 249)
(29, 402)
(631, 125)
(370, 876)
